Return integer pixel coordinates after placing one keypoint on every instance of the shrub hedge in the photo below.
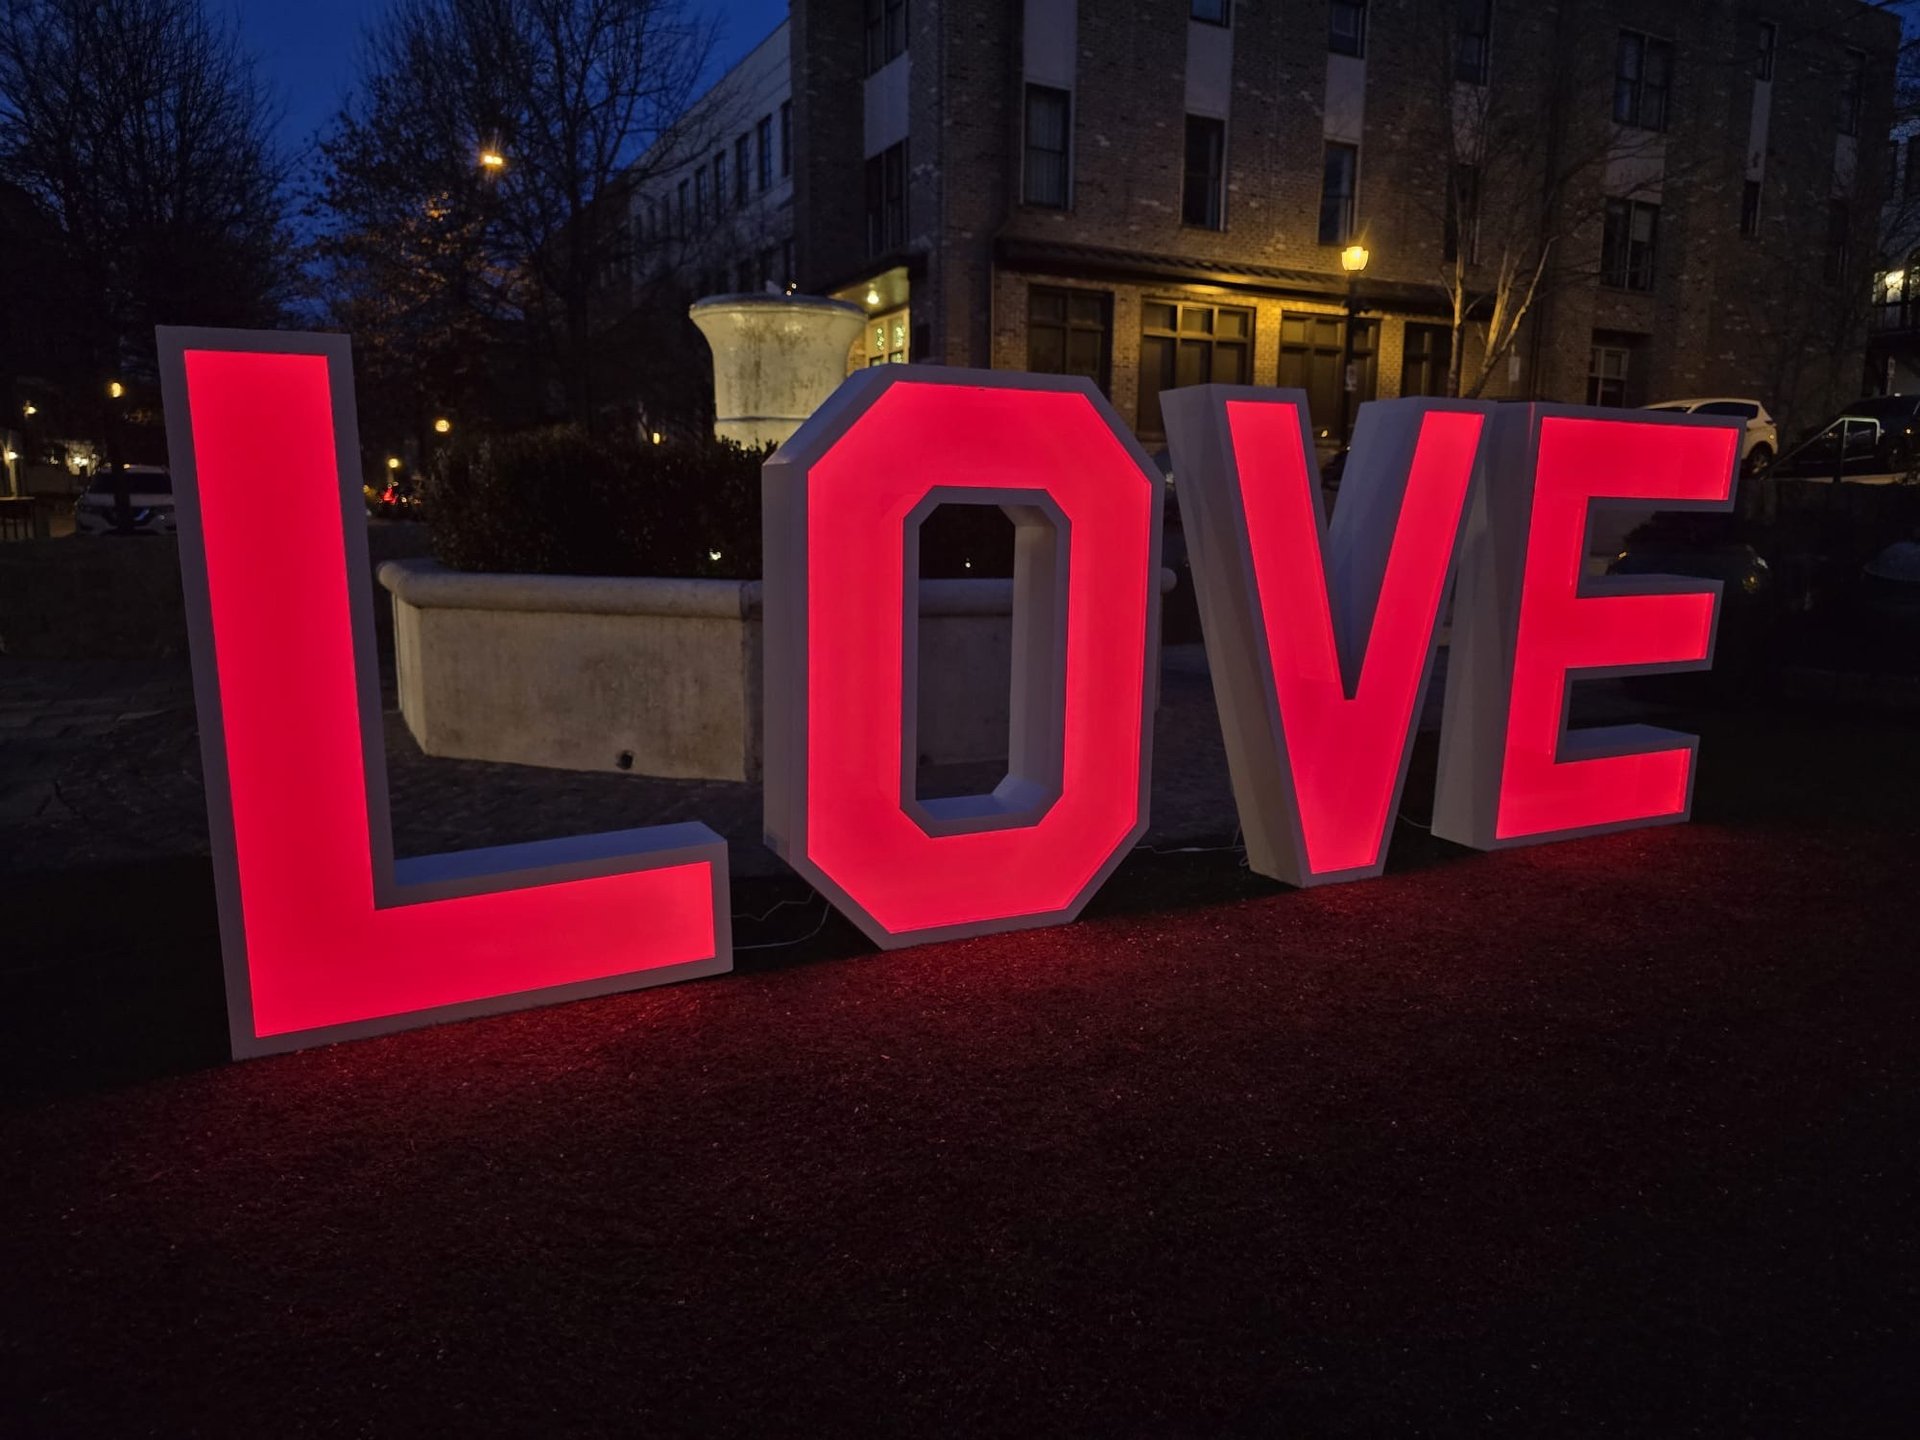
(561, 502)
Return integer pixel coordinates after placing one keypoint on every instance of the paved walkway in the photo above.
(100, 763)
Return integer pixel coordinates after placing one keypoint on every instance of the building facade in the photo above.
(1608, 201)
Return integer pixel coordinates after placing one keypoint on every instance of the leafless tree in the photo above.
(465, 188)
(139, 130)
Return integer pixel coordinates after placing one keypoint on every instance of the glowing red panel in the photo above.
(1345, 747)
(330, 941)
(1561, 630)
(859, 480)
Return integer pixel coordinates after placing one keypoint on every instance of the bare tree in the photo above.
(1529, 141)
(139, 130)
(464, 187)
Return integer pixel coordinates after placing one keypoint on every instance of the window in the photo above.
(1182, 344)
(1769, 37)
(1853, 90)
(1463, 215)
(1311, 351)
(1473, 44)
(1200, 196)
(1045, 181)
(886, 31)
(1839, 240)
(786, 138)
(1911, 182)
(887, 200)
(1070, 332)
(1626, 247)
(1750, 208)
(699, 197)
(1425, 360)
(1607, 375)
(740, 170)
(763, 145)
(1642, 75)
(683, 231)
(1893, 169)
(720, 183)
(787, 268)
(1214, 12)
(1337, 190)
(1347, 27)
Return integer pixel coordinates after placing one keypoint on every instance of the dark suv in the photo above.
(1873, 436)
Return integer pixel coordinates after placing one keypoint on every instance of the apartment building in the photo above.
(711, 205)
(1663, 200)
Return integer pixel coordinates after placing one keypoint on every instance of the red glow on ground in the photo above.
(917, 437)
(1345, 751)
(1579, 461)
(318, 951)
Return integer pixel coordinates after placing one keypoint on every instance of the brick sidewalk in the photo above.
(100, 763)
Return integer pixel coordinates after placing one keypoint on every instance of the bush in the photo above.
(561, 502)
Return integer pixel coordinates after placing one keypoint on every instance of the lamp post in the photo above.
(1353, 260)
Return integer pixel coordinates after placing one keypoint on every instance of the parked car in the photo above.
(1872, 436)
(149, 502)
(1762, 441)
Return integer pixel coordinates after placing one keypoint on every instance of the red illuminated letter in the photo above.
(1320, 644)
(326, 935)
(844, 498)
(1527, 624)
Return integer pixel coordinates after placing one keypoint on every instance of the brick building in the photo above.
(1161, 193)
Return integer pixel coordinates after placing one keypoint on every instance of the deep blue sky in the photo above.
(306, 52)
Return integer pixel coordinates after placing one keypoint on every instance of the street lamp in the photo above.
(491, 159)
(393, 462)
(29, 410)
(115, 389)
(1353, 260)
(442, 425)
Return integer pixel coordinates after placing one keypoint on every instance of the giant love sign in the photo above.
(1321, 642)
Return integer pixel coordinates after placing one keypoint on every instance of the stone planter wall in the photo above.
(578, 672)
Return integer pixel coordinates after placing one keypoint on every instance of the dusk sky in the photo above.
(307, 52)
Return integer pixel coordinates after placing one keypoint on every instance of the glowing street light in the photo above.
(491, 159)
(115, 389)
(1353, 260)
(442, 425)
(393, 462)
(29, 409)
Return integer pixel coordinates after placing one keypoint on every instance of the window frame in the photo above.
(1631, 92)
(1852, 95)
(1597, 376)
(1178, 335)
(1625, 268)
(1214, 213)
(1027, 147)
(1752, 200)
(786, 138)
(885, 33)
(763, 152)
(1480, 70)
(1337, 43)
(886, 200)
(1764, 62)
(742, 178)
(1348, 225)
(1069, 327)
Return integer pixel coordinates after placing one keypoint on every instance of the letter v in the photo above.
(1320, 644)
